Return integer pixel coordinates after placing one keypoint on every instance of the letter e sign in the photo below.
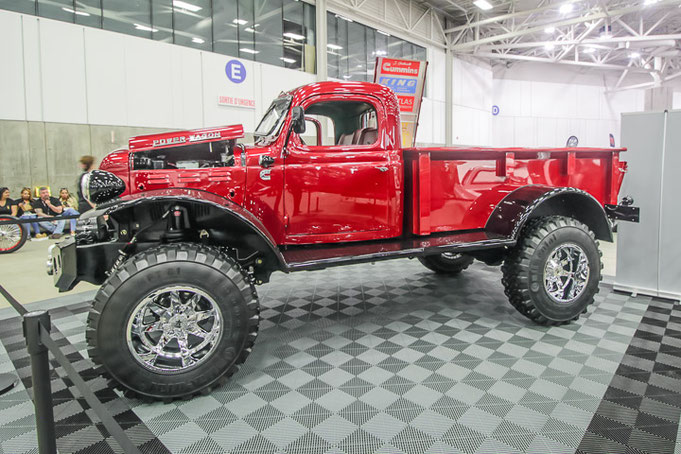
(236, 71)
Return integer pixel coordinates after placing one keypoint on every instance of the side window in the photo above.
(343, 123)
(198, 156)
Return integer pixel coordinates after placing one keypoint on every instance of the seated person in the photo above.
(69, 201)
(7, 205)
(25, 211)
(48, 206)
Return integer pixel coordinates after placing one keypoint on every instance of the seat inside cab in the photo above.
(347, 123)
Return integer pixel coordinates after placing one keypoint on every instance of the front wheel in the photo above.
(173, 321)
(552, 274)
(12, 236)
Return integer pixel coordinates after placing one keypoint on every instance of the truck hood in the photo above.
(193, 136)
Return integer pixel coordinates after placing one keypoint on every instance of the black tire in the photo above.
(447, 263)
(12, 236)
(526, 268)
(173, 271)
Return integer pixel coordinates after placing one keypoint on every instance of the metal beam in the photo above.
(321, 40)
(496, 56)
(503, 17)
(572, 42)
(575, 20)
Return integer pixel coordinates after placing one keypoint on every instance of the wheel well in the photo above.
(170, 220)
(579, 206)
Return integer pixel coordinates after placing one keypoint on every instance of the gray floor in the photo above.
(393, 358)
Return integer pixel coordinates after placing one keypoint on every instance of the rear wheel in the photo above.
(552, 274)
(12, 236)
(447, 263)
(173, 321)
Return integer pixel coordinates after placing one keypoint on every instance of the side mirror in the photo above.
(298, 119)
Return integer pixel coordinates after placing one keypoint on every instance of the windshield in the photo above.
(273, 118)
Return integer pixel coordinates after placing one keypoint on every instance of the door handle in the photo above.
(382, 169)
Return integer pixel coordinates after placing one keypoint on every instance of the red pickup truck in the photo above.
(201, 220)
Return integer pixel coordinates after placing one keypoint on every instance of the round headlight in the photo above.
(99, 186)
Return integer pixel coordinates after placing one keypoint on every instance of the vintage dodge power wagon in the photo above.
(188, 223)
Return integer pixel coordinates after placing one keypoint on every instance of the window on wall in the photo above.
(276, 32)
(298, 32)
(132, 17)
(193, 23)
(353, 49)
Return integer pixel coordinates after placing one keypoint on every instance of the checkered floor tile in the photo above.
(391, 358)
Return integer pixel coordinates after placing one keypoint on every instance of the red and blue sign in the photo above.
(399, 84)
(236, 71)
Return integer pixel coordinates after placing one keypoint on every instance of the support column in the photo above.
(321, 39)
(658, 99)
(449, 98)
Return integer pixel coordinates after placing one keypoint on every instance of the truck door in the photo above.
(347, 188)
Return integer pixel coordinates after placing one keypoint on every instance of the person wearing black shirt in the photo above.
(86, 163)
(25, 211)
(48, 206)
(7, 205)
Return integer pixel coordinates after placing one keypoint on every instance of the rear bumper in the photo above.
(623, 212)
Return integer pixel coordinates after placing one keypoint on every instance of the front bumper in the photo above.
(62, 264)
(623, 212)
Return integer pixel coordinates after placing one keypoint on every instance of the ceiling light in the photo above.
(589, 50)
(293, 35)
(383, 33)
(380, 53)
(634, 55)
(240, 21)
(549, 46)
(145, 28)
(287, 60)
(77, 13)
(334, 46)
(550, 30)
(249, 30)
(198, 40)
(650, 2)
(249, 51)
(346, 77)
(344, 18)
(187, 6)
(566, 8)
(483, 4)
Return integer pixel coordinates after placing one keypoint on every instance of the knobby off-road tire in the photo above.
(552, 274)
(173, 321)
(447, 262)
(12, 236)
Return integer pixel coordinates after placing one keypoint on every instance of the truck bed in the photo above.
(457, 188)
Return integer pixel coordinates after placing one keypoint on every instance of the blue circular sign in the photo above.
(236, 71)
(495, 110)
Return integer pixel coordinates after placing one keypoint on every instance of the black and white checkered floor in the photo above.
(392, 358)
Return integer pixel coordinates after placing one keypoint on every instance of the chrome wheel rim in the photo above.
(566, 273)
(10, 235)
(174, 329)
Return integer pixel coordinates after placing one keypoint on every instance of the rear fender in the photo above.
(523, 204)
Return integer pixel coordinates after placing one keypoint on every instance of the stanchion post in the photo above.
(40, 370)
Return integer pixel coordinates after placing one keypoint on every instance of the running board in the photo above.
(311, 257)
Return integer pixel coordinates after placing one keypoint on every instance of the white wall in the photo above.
(64, 73)
(539, 107)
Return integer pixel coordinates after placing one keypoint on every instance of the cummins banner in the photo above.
(406, 78)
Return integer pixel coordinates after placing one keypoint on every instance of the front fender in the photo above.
(523, 204)
(213, 210)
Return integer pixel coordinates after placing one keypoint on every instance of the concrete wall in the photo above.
(39, 153)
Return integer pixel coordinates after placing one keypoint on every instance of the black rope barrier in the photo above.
(37, 326)
(39, 219)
